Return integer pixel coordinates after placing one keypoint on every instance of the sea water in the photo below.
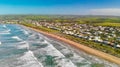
(22, 47)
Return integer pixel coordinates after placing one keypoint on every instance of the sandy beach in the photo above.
(83, 48)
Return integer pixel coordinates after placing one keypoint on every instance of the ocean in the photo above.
(22, 47)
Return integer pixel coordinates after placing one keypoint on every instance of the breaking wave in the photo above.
(16, 37)
(29, 60)
(26, 48)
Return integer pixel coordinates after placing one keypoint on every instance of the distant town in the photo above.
(106, 35)
(98, 32)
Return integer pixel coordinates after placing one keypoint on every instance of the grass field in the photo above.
(108, 24)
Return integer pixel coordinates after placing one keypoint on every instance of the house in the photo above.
(118, 46)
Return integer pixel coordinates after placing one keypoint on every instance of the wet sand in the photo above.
(82, 47)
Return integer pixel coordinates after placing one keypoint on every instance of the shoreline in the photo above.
(81, 47)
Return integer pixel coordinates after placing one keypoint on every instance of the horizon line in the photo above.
(62, 14)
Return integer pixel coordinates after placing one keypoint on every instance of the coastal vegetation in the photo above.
(32, 20)
(98, 46)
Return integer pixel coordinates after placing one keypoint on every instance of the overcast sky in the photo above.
(69, 7)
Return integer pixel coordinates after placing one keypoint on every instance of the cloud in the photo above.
(105, 11)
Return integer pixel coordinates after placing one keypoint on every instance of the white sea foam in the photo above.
(0, 43)
(23, 45)
(75, 58)
(52, 51)
(25, 32)
(4, 26)
(4, 33)
(31, 36)
(8, 30)
(16, 37)
(29, 60)
(44, 42)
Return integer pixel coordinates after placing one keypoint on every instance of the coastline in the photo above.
(82, 47)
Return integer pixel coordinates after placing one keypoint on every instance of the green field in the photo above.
(107, 24)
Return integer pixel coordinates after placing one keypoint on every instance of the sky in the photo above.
(62, 7)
